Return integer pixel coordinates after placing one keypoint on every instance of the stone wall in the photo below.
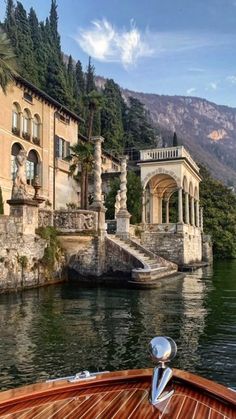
(207, 251)
(21, 254)
(85, 254)
(119, 260)
(184, 246)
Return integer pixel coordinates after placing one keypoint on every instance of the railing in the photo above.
(75, 220)
(167, 154)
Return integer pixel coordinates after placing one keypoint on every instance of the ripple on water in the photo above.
(60, 330)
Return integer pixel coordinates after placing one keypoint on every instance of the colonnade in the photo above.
(191, 215)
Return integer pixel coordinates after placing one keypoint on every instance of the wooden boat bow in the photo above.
(123, 394)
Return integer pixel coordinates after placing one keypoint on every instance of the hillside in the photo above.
(206, 129)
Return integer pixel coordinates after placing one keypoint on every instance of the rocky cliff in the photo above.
(206, 129)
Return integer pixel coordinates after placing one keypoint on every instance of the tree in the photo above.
(1, 202)
(24, 49)
(111, 117)
(81, 158)
(90, 75)
(80, 78)
(7, 62)
(175, 140)
(93, 102)
(219, 206)
(134, 197)
(53, 22)
(139, 131)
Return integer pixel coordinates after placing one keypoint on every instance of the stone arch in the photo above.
(33, 166)
(159, 171)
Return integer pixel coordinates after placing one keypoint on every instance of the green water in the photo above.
(59, 330)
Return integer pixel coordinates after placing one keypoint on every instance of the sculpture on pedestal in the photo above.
(117, 203)
(19, 190)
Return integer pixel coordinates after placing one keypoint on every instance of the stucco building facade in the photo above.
(45, 129)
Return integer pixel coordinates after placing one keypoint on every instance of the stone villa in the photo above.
(33, 121)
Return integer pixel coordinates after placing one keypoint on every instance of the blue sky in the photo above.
(174, 47)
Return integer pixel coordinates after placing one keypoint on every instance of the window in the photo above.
(36, 129)
(28, 97)
(16, 119)
(63, 118)
(26, 125)
(32, 167)
(62, 148)
(14, 152)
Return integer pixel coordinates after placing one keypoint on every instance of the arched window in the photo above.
(36, 130)
(26, 124)
(32, 167)
(16, 147)
(16, 119)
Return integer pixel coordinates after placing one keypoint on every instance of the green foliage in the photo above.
(81, 159)
(1, 202)
(219, 205)
(111, 117)
(139, 131)
(134, 197)
(7, 61)
(23, 261)
(52, 251)
(175, 140)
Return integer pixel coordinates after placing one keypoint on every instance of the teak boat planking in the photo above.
(119, 395)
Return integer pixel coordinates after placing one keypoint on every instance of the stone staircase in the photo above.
(152, 267)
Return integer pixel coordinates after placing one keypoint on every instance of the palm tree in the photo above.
(81, 159)
(7, 62)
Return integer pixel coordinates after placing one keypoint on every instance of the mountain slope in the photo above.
(206, 129)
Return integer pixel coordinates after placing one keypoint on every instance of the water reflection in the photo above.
(63, 329)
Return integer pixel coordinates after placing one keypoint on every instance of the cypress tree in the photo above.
(111, 117)
(175, 140)
(10, 23)
(90, 74)
(138, 128)
(24, 47)
(80, 78)
(39, 46)
(53, 22)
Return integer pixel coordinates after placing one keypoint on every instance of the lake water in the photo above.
(59, 330)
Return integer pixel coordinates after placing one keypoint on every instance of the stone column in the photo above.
(97, 204)
(160, 210)
(180, 206)
(197, 213)
(151, 205)
(167, 211)
(192, 212)
(143, 207)
(123, 215)
(186, 207)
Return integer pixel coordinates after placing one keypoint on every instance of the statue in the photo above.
(117, 203)
(19, 190)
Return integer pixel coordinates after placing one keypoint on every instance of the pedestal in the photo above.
(122, 226)
(27, 210)
(101, 210)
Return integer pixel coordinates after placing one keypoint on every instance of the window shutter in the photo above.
(57, 146)
(67, 148)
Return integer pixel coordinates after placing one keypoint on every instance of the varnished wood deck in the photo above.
(119, 395)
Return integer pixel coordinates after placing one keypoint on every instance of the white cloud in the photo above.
(231, 79)
(105, 43)
(191, 90)
(213, 86)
